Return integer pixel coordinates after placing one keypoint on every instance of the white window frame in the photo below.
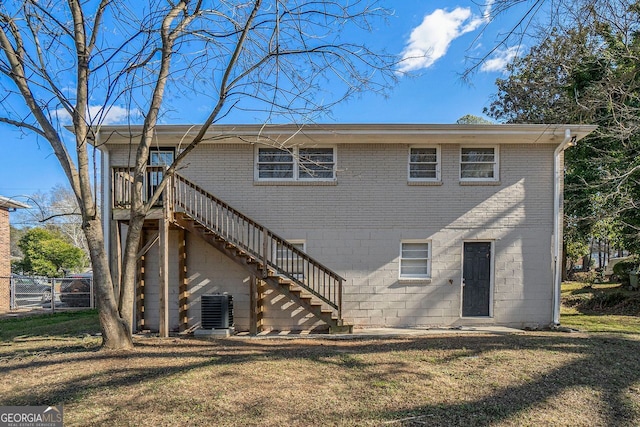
(257, 163)
(438, 163)
(496, 164)
(413, 277)
(295, 154)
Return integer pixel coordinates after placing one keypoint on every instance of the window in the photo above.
(159, 157)
(479, 163)
(295, 164)
(316, 163)
(415, 259)
(274, 163)
(424, 164)
(289, 261)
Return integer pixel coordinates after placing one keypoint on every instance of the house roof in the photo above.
(356, 133)
(7, 203)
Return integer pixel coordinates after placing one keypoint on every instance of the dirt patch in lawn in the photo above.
(503, 380)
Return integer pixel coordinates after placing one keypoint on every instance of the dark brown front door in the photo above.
(476, 279)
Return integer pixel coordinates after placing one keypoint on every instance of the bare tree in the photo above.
(85, 60)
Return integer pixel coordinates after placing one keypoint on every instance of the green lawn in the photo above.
(600, 308)
(68, 323)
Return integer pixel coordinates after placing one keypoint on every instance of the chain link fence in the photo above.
(75, 291)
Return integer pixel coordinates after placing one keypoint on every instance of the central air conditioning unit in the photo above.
(216, 311)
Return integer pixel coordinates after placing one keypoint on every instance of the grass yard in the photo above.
(600, 308)
(528, 378)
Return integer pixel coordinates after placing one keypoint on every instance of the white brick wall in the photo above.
(355, 227)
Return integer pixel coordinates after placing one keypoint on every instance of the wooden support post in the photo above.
(253, 302)
(140, 281)
(260, 290)
(164, 275)
(140, 295)
(183, 293)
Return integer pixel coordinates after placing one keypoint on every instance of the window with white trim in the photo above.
(295, 164)
(479, 163)
(415, 259)
(273, 163)
(424, 163)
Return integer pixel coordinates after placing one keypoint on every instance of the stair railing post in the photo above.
(340, 302)
(265, 248)
(168, 197)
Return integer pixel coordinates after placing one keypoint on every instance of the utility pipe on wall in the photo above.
(567, 142)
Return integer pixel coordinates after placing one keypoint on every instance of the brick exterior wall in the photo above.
(355, 227)
(5, 261)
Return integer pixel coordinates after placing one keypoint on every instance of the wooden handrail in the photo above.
(258, 241)
(122, 184)
(274, 252)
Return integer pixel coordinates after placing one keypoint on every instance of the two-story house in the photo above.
(354, 224)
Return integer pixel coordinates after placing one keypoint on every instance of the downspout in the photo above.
(558, 173)
(105, 178)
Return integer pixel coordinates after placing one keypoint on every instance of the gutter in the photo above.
(558, 198)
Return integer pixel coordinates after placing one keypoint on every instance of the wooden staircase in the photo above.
(266, 256)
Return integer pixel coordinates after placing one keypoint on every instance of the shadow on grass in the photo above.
(608, 364)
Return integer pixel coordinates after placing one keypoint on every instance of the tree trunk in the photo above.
(600, 258)
(115, 333)
(564, 262)
(129, 266)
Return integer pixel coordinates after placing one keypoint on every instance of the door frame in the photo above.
(492, 265)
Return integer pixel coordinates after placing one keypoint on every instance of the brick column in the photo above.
(5, 260)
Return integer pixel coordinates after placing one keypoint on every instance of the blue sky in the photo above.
(448, 31)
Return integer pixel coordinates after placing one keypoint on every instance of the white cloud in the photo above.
(112, 115)
(500, 59)
(430, 40)
(97, 114)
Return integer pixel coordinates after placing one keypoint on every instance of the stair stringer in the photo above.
(282, 285)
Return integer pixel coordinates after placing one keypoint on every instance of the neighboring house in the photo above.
(6, 205)
(336, 225)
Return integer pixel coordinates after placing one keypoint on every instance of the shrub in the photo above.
(622, 270)
(607, 300)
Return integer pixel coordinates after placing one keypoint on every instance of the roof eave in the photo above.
(529, 133)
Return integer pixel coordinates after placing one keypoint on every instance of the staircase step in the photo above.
(286, 286)
(341, 329)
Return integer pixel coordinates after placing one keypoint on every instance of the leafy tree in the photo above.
(57, 210)
(83, 60)
(470, 119)
(47, 254)
(587, 74)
